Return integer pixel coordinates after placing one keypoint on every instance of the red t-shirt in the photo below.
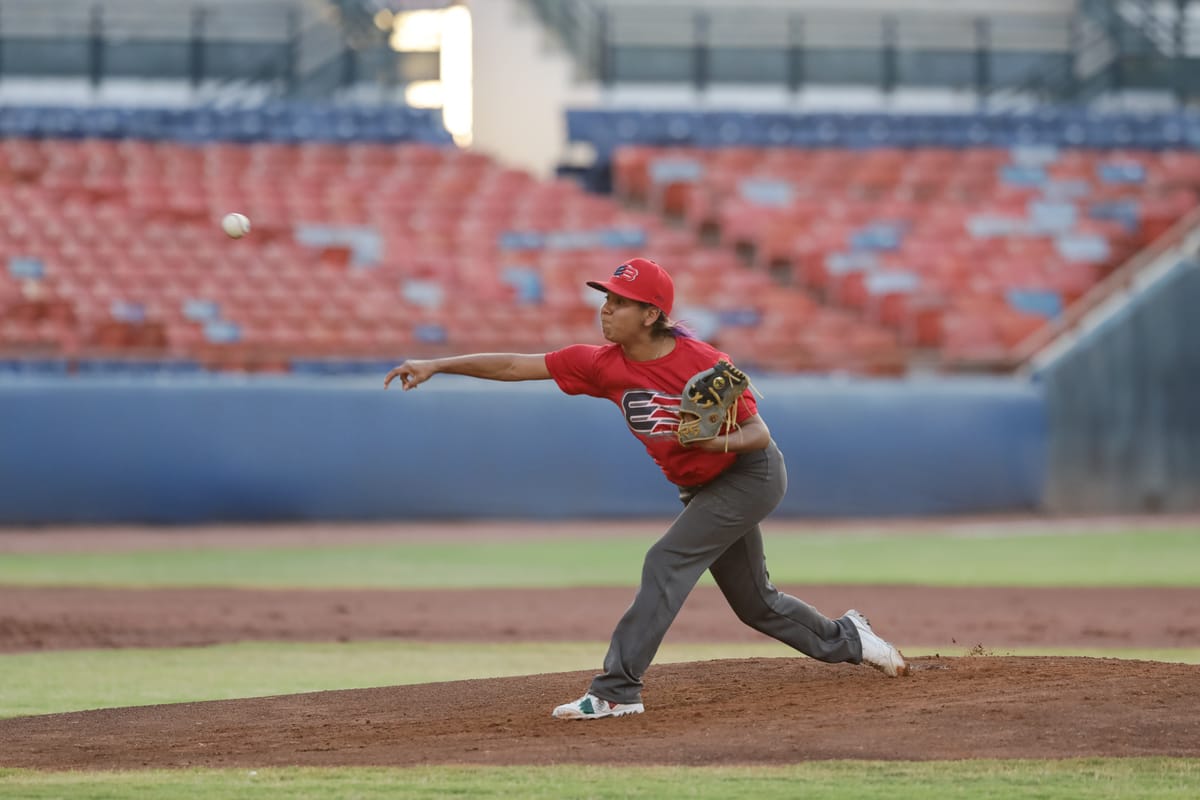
(648, 393)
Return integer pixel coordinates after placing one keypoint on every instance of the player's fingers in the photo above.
(392, 375)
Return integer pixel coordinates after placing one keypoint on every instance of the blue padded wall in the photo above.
(201, 449)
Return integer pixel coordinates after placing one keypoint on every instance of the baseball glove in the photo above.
(709, 402)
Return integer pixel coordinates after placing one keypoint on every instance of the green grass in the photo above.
(74, 680)
(1096, 779)
(1144, 558)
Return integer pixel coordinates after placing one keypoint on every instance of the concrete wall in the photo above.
(522, 81)
(1124, 406)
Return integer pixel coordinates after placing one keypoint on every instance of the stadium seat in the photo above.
(1048, 218)
(821, 241)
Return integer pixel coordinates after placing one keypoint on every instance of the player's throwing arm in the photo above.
(491, 366)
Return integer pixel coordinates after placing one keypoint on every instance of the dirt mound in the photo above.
(771, 711)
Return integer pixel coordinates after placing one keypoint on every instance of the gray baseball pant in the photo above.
(718, 531)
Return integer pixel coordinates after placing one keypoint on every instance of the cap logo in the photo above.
(626, 273)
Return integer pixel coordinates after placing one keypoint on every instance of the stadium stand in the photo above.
(360, 251)
(961, 233)
(792, 258)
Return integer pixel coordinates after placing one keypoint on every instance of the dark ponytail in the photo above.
(665, 326)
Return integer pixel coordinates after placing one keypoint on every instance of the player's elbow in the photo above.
(755, 434)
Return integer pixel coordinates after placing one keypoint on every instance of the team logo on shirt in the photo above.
(651, 413)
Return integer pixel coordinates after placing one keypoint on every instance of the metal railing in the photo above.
(222, 48)
(578, 24)
(1119, 45)
(1005, 57)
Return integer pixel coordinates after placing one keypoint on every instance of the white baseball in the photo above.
(235, 225)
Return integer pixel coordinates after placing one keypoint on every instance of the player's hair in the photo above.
(665, 326)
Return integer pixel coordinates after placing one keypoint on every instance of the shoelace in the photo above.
(731, 424)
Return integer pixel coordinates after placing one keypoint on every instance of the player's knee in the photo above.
(665, 566)
(756, 610)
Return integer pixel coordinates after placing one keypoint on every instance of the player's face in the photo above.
(623, 320)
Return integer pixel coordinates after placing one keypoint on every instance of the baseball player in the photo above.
(727, 483)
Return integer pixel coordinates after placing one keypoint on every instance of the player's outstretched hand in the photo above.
(411, 374)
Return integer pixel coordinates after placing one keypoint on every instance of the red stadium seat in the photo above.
(136, 222)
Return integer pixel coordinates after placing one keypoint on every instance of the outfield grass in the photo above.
(1136, 558)
(1096, 779)
(75, 680)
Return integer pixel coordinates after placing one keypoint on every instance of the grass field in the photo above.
(1095, 779)
(57, 681)
(1130, 558)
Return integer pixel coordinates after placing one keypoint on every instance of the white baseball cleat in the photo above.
(591, 707)
(876, 651)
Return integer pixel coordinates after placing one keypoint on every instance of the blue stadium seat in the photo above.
(1127, 212)
(26, 267)
(773, 130)
(199, 125)
(222, 332)
(146, 123)
(105, 123)
(15, 122)
(242, 125)
(1191, 130)
(607, 129)
(62, 123)
(1034, 301)
(290, 122)
(724, 129)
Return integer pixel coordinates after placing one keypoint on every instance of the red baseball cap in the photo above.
(642, 280)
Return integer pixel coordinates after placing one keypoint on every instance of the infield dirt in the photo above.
(970, 701)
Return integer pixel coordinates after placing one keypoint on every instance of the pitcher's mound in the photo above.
(778, 710)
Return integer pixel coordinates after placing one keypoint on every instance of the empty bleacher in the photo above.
(963, 234)
(113, 247)
(967, 251)
(375, 239)
(360, 251)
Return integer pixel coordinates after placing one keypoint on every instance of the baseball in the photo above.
(235, 225)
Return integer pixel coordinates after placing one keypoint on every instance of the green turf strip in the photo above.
(74, 680)
(1145, 558)
(1096, 779)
